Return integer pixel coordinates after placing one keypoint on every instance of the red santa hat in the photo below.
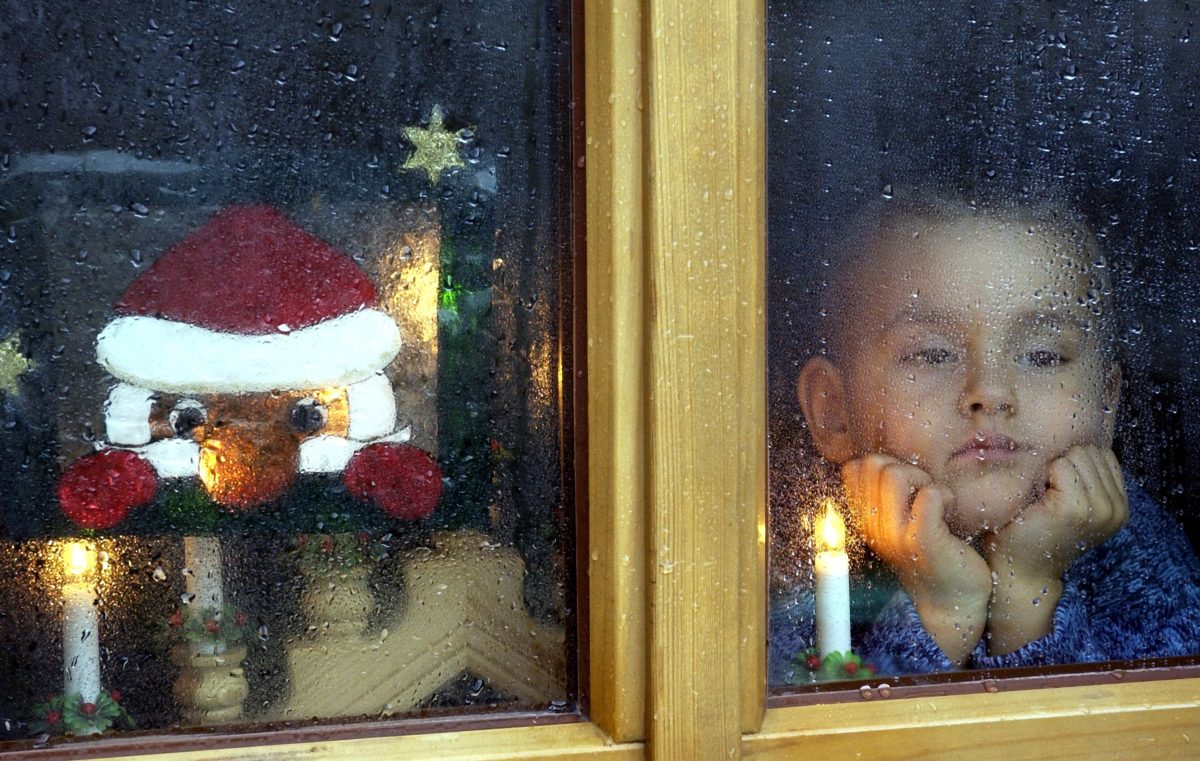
(248, 303)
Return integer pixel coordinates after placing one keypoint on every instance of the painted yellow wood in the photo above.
(577, 742)
(1159, 720)
(703, 260)
(751, 110)
(616, 372)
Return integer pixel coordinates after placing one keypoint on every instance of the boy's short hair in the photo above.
(900, 221)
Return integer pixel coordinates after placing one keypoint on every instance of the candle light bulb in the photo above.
(831, 533)
(79, 558)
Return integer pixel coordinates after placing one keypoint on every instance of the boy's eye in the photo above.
(1041, 358)
(931, 356)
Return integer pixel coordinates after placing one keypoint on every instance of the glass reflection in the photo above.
(958, 351)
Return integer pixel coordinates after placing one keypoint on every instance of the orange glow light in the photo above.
(79, 558)
(831, 530)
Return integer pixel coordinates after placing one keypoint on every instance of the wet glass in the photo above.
(282, 349)
(982, 296)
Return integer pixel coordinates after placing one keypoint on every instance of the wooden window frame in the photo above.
(676, 357)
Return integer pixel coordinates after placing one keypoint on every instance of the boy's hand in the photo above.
(899, 511)
(1084, 504)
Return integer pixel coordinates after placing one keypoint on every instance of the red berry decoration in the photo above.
(212, 626)
(405, 482)
(813, 662)
(98, 491)
(115, 695)
(53, 717)
(88, 709)
(850, 667)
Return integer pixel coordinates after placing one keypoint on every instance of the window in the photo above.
(287, 385)
(981, 295)
(656, 72)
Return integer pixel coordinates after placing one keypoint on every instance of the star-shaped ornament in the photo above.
(436, 147)
(13, 364)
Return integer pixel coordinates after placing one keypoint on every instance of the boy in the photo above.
(969, 397)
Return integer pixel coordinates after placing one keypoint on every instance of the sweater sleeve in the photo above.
(1135, 596)
(1068, 641)
(897, 642)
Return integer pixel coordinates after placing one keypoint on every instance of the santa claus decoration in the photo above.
(248, 353)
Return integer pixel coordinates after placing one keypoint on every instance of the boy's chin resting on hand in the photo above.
(900, 513)
(1083, 505)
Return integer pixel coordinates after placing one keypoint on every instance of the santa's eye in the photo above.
(187, 415)
(308, 416)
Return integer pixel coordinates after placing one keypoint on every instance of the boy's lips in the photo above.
(989, 447)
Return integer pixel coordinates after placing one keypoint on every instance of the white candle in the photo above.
(831, 581)
(202, 556)
(205, 585)
(81, 633)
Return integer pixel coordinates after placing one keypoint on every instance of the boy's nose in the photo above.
(987, 392)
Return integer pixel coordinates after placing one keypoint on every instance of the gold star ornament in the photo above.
(13, 364)
(436, 147)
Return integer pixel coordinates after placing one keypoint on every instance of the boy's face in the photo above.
(979, 361)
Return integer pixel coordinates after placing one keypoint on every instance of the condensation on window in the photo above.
(982, 344)
(281, 372)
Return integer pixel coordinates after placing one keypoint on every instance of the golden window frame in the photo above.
(676, 331)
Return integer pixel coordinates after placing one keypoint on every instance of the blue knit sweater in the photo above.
(1137, 595)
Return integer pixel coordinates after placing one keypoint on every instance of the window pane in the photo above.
(982, 348)
(281, 348)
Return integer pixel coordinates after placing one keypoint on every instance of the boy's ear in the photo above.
(823, 399)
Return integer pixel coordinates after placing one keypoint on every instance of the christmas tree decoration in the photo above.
(13, 364)
(436, 147)
(249, 352)
(72, 714)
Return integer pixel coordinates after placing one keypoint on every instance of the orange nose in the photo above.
(242, 465)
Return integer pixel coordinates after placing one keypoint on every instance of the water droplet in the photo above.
(160, 574)
(990, 685)
(887, 191)
(89, 132)
(866, 693)
(139, 210)
(884, 690)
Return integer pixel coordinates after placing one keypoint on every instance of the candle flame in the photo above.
(78, 558)
(831, 531)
